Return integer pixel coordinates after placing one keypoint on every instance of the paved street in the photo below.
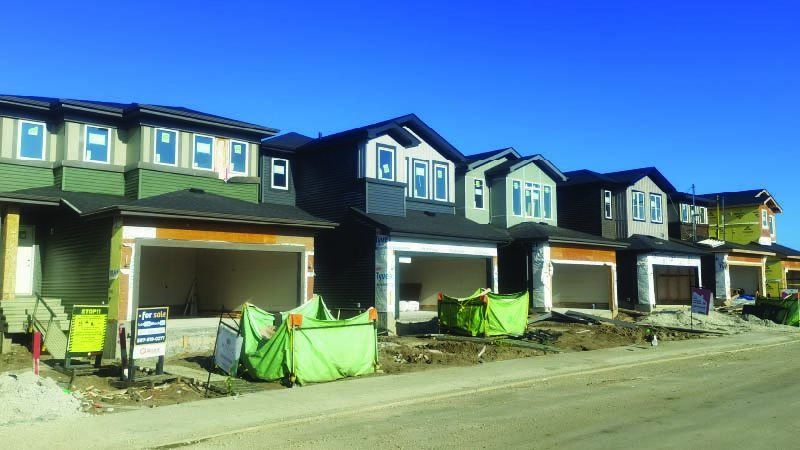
(733, 392)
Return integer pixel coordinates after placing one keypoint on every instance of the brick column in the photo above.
(10, 236)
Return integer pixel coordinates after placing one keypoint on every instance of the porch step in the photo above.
(15, 315)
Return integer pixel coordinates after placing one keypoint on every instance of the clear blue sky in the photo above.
(708, 92)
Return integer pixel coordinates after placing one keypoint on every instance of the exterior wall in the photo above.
(385, 197)
(9, 137)
(100, 180)
(142, 183)
(498, 203)
(74, 139)
(741, 224)
(645, 274)
(647, 227)
(327, 182)
(466, 194)
(598, 286)
(533, 174)
(273, 195)
(727, 273)
(776, 277)
(580, 208)
(16, 175)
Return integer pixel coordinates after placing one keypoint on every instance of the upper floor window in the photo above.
(516, 197)
(280, 173)
(166, 146)
(238, 157)
(96, 144)
(685, 213)
(420, 179)
(547, 201)
(701, 214)
(440, 184)
(655, 208)
(763, 218)
(203, 152)
(637, 205)
(478, 194)
(529, 199)
(607, 205)
(772, 225)
(31, 140)
(386, 162)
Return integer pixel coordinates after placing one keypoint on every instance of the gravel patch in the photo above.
(715, 321)
(27, 398)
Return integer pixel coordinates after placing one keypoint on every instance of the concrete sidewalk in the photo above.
(191, 422)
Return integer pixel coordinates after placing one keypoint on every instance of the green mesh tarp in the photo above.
(484, 314)
(783, 311)
(306, 345)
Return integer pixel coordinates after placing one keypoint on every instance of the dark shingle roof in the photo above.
(434, 225)
(543, 232)
(584, 176)
(622, 178)
(749, 197)
(716, 246)
(288, 141)
(510, 151)
(782, 250)
(640, 243)
(513, 164)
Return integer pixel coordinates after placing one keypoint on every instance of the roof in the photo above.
(717, 246)
(643, 244)
(446, 226)
(584, 176)
(397, 129)
(192, 204)
(289, 141)
(746, 198)
(126, 110)
(542, 232)
(621, 178)
(684, 197)
(479, 159)
(782, 250)
(511, 165)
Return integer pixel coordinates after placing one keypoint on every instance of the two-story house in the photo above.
(135, 205)
(631, 205)
(519, 194)
(390, 186)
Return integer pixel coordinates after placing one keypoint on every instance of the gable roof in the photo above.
(132, 110)
(640, 243)
(544, 232)
(620, 178)
(397, 129)
(189, 204)
(509, 166)
(781, 250)
(747, 198)
(684, 197)
(425, 224)
(717, 246)
(584, 176)
(479, 159)
(289, 141)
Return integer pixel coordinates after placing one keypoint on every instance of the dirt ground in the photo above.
(101, 392)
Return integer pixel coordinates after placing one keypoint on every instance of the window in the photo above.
(637, 205)
(547, 201)
(421, 179)
(772, 225)
(702, 215)
(516, 197)
(440, 185)
(607, 205)
(537, 201)
(280, 173)
(166, 147)
(31, 140)
(763, 218)
(528, 199)
(96, 144)
(655, 208)
(478, 194)
(385, 162)
(238, 157)
(203, 154)
(685, 210)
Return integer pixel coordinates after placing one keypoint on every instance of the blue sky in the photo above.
(707, 92)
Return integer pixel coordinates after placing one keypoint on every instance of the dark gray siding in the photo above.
(326, 181)
(276, 196)
(580, 208)
(627, 286)
(512, 268)
(432, 206)
(76, 262)
(386, 198)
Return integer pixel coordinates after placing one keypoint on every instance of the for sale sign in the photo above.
(150, 338)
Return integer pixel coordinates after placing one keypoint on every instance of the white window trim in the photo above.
(427, 166)
(483, 193)
(521, 198)
(44, 140)
(177, 146)
(86, 143)
(536, 187)
(194, 152)
(546, 203)
(686, 213)
(634, 203)
(446, 167)
(246, 158)
(764, 224)
(702, 215)
(771, 225)
(272, 174)
(660, 210)
(378, 149)
(607, 213)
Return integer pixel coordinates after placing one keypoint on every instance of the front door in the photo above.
(25, 261)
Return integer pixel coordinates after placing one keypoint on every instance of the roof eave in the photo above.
(203, 216)
(172, 114)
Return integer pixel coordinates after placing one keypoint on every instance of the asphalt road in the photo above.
(733, 392)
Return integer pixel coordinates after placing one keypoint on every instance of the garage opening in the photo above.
(168, 276)
(793, 279)
(582, 286)
(421, 277)
(673, 284)
(745, 280)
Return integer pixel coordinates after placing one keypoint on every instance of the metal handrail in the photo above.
(35, 320)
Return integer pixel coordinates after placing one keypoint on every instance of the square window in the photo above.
(637, 205)
(607, 205)
(440, 184)
(96, 144)
(238, 157)
(166, 147)
(280, 173)
(478, 188)
(385, 162)
(203, 152)
(516, 197)
(420, 179)
(31, 140)
(655, 208)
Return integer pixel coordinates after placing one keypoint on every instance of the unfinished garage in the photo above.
(421, 277)
(582, 286)
(745, 280)
(673, 284)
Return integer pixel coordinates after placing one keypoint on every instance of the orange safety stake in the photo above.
(295, 320)
(373, 314)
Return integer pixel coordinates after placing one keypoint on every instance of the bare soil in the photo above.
(102, 393)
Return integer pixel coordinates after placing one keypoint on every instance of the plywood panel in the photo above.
(744, 259)
(582, 254)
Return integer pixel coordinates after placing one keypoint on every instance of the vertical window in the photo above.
(478, 194)
(685, 213)
(166, 147)
(702, 215)
(280, 173)
(420, 179)
(763, 218)
(385, 163)
(516, 197)
(31, 140)
(772, 225)
(96, 144)
(607, 205)
(637, 205)
(547, 201)
(203, 154)
(528, 199)
(655, 208)
(537, 201)
(238, 157)
(440, 185)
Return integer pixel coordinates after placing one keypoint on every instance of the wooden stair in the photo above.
(17, 316)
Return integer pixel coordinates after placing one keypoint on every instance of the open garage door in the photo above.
(745, 279)
(673, 284)
(421, 277)
(793, 279)
(582, 286)
(221, 277)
